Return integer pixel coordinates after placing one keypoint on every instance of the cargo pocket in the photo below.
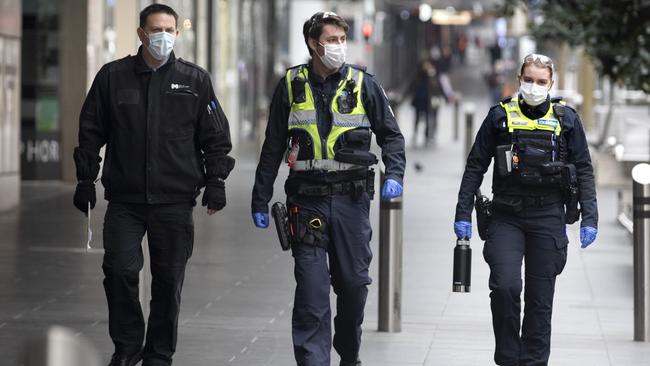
(189, 232)
(561, 243)
(488, 246)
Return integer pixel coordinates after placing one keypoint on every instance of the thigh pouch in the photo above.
(307, 228)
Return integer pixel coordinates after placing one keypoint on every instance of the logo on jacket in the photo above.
(179, 86)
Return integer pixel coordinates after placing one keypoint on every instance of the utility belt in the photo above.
(306, 185)
(515, 203)
(328, 165)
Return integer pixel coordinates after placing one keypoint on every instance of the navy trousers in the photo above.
(348, 254)
(536, 236)
(170, 231)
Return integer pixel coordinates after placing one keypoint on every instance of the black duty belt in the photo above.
(354, 188)
(541, 201)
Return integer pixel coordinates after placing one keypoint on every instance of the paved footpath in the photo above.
(237, 298)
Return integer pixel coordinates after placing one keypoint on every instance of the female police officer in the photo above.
(542, 162)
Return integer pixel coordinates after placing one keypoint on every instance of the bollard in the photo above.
(456, 117)
(390, 264)
(469, 128)
(145, 280)
(641, 235)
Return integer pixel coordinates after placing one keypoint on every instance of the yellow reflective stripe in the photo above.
(335, 106)
(333, 136)
(288, 79)
(359, 109)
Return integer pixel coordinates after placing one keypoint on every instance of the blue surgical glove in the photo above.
(391, 189)
(463, 229)
(261, 219)
(587, 235)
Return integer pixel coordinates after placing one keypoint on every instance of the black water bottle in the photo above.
(462, 266)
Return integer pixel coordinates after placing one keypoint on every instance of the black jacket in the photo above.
(380, 114)
(164, 131)
(493, 132)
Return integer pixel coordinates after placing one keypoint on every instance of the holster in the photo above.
(281, 218)
(370, 183)
(483, 215)
(571, 191)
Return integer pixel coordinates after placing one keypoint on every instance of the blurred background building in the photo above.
(51, 51)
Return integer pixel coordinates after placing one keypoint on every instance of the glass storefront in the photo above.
(41, 130)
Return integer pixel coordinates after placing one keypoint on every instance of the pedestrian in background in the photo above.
(427, 98)
(542, 171)
(322, 117)
(166, 137)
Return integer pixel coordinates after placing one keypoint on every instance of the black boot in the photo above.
(122, 359)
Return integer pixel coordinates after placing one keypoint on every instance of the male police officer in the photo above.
(166, 137)
(323, 114)
(541, 162)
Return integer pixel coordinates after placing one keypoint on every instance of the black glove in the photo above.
(84, 193)
(214, 195)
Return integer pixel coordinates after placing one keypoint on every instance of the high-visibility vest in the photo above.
(536, 142)
(517, 120)
(302, 114)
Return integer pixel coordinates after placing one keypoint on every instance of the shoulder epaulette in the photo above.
(192, 65)
(559, 109)
(358, 67)
(295, 66)
(506, 100)
(556, 99)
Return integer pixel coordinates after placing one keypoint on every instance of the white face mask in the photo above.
(161, 44)
(334, 56)
(533, 94)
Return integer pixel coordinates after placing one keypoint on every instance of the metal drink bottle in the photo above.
(462, 266)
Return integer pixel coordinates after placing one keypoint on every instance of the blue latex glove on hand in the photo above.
(391, 189)
(463, 229)
(587, 235)
(261, 219)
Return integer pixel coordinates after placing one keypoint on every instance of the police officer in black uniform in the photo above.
(542, 171)
(322, 116)
(166, 137)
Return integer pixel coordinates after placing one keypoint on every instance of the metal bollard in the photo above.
(641, 235)
(145, 280)
(390, 264)
(456, 118)
(469, 128)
